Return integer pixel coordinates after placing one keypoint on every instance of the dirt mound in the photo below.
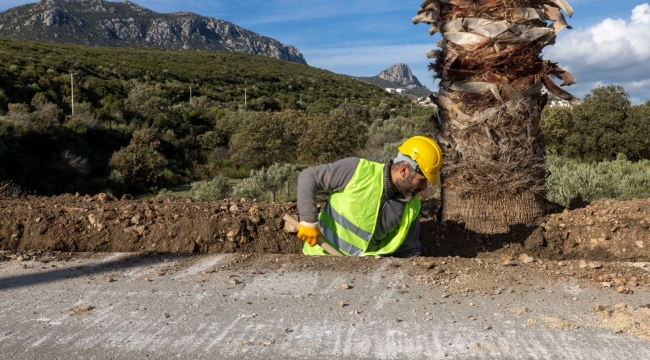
(87, 224)
(604, 230)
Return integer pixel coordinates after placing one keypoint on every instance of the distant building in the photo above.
(402, 91)
(560, 103)
(391, 90)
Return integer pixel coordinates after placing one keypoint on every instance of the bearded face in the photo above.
(410, 186)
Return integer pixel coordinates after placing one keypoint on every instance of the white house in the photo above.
(391, 90)
(402, 91)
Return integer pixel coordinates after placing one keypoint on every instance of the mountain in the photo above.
(398, 76)
(116, 24)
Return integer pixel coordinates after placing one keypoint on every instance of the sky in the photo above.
(609, 43)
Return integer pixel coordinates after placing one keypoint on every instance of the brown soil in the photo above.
(624, 318)
(182, 225)
(605, 230)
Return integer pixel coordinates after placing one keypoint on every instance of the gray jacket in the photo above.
(329, 178)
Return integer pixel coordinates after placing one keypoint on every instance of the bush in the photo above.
(273, 179)
(216, 189)
(252, 187)
(164, 194)
(619, 179)
(140, 162)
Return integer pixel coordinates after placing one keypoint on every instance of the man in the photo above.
(373, 208)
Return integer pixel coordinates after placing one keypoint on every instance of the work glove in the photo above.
(309, 232)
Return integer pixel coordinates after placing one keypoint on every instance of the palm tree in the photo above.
(492, 81)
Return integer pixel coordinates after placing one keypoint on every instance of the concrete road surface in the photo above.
(129, 306)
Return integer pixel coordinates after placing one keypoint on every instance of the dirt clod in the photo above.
(81, 310)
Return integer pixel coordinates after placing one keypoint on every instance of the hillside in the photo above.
(109, 23)
(246, 111)
(220, 76)
(398, 76)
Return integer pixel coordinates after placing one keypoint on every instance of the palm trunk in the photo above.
(491, 80)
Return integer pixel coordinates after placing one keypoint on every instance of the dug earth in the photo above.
(606, 230)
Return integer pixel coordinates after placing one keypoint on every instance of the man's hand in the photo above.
(309, 232)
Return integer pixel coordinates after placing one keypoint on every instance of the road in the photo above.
(130, 306)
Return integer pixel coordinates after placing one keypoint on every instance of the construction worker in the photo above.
(372, 208)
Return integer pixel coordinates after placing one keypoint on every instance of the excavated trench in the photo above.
(606, 230)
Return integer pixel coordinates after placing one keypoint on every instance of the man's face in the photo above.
(410, 183)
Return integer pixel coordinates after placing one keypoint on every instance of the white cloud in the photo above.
(613, 51)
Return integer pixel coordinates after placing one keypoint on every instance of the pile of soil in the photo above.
(605, 230)
(179, 225)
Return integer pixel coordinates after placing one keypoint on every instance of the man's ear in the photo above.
(404, 171)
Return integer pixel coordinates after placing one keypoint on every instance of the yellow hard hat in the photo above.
(427, 155)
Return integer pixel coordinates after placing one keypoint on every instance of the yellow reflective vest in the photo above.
(350, 216)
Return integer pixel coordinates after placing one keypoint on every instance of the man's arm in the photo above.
(326, 178)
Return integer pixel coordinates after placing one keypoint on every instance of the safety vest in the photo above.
(349, 218)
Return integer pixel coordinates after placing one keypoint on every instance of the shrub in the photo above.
(164, 194)
(140, 162)
(273, 179)
(619, 179)
(252, 187)
(213, 190)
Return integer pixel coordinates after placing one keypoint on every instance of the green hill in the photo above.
(28, 68)
(292, 113)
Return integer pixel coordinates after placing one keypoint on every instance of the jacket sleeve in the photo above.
(326, 178)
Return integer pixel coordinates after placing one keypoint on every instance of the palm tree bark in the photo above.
(492, 78)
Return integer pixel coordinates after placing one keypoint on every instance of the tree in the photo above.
(263, 138)
(139, 162)
(636, 144)
(557, 125)
(147, 101)
(490, 99)
(599, 122)
(604, 125)
(278, 177)
(332, 137)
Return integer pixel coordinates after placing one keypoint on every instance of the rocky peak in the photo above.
(109, 23)
(400, 74)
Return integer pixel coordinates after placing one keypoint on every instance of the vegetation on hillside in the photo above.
(604, 125)
(134, 126)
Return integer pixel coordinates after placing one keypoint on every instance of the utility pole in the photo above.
(72, 90)
(245, 99)
(190, 95)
